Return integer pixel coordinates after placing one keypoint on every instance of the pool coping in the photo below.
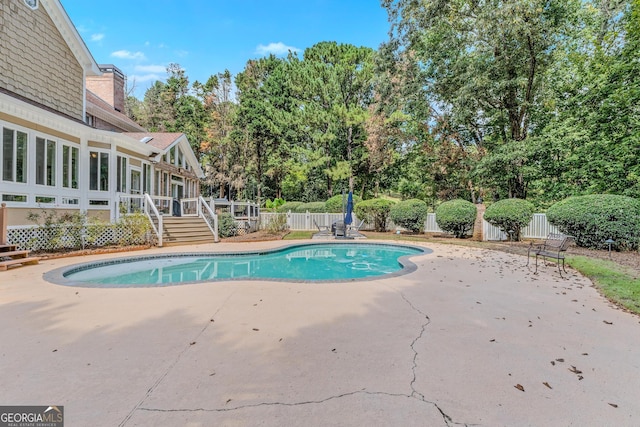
(58, 275)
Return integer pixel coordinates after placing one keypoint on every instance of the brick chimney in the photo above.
(109, 86)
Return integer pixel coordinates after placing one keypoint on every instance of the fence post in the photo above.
(478, 226)
(3, 224)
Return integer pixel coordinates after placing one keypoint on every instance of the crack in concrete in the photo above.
(415, 393)
(161, 378)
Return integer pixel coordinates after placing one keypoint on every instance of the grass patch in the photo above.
(617, 283)
(298, 235)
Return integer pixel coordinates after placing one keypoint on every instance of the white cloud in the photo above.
(125, 54)
(275, 48)
(151, 69)
(142, 78)
(97, 37)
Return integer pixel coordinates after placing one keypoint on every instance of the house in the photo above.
(67, 145)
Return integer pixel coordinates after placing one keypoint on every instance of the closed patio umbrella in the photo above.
(348, 219)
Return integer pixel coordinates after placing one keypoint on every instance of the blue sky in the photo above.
(142, 37)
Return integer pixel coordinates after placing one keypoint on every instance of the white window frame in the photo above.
(72, 185)
(49, 178)
(99, 156)
(14, 160)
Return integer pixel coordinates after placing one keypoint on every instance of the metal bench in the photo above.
(553, 247)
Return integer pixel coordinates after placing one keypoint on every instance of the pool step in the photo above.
(11, 257)
(185, 231)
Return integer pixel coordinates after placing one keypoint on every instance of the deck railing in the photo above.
(209, 216)
(154, 217)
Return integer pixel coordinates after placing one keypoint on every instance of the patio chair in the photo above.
(322, 229)
(355, 230)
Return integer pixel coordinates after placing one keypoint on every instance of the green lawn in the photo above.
(618, 283)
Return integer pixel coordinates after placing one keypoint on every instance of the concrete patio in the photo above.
(470, 338)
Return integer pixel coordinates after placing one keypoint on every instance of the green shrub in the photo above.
(226, 225)
(374, 211)
(410, 214)
(595, 218)
(456, 216)
(135, 229)
(288, 206)
(313, 207)
(510, 215)
(334, 204)
(272, 206)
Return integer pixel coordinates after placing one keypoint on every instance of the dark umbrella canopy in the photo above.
(348, 219)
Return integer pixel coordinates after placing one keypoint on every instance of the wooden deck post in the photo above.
(3, 224)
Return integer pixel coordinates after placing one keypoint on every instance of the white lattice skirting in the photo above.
(73, 237)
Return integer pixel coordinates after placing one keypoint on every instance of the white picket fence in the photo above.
(538, 228)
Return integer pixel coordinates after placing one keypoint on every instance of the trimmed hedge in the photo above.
(510, 215)
(334, 204)
(313, 207)
(374, 211)
(456, 216)
(595, 218)
(288, 206)
(410, 214)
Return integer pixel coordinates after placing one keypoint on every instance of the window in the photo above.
(180, 158)
(98, 171)
(146, 178)
(135, 182)
(121, 171)
(45, 199)
(70, 166)
(45, 162)
(14, 156)
(14, 198)
(70, 201)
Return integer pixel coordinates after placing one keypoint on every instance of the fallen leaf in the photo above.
(211, 320)
(560, 360)
(575, 370)
(492, 340)
(553, 363)
(192, 343)
(256, 329)
(608, 323)
(585, 354)
(54, 350)
(547, 384)
(613, 404)
(519, 387)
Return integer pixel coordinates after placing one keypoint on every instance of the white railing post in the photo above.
(150, 208)
(210, 213)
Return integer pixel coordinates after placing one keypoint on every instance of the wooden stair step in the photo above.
(4, 265)
(14, 254)
(7, 248)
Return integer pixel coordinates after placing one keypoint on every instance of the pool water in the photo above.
(312, 262)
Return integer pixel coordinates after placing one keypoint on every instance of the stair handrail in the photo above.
(209, 216)
(151, 211)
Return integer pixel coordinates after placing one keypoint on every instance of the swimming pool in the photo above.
(296, 263)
